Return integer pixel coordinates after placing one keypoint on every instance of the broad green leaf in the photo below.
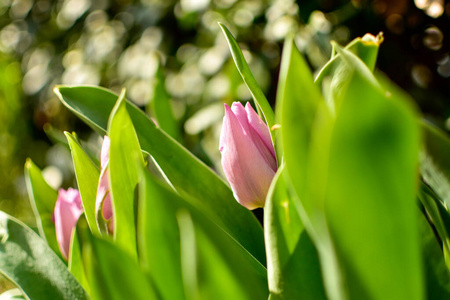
(370, 190)
(435, 161)
(43, 200)
(75, 263)
(187, 174)
(26, 259)
(160, 105)
(125, 151)
(87, 175)
(292, 262)
(241, 64)
(214, 266)
(305, 120)
(157, 225)
(112, 272)
(297, 100)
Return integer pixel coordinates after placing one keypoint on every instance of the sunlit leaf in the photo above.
(112, 272)
(292, 262)
(87, 175)
(26, 259)
(43, 200)
(188, 175)
(242, 66)
(125, 151)
(369, 190)
(75, 263)
(214, 266)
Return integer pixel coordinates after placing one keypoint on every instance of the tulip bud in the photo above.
(103, 199)
(68, 209)
(248, 156)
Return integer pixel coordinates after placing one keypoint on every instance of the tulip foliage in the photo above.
(355, 188)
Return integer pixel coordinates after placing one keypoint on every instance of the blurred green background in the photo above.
(124, 43)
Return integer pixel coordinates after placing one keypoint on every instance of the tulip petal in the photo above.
(104, 156)
(68, 209)
(246, 169)
(261, 128)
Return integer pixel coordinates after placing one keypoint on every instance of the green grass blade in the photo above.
(125, 151)
(87, 175)
(27, 260)
(242, 66)
(43, 199)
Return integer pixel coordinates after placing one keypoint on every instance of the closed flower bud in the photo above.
(68, 209)
(103, 200)
(248, 156)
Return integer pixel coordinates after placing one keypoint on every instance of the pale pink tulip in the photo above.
(103, 199)
(68, 209)
(248, 156)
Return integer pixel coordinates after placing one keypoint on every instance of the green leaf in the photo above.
(261, 102)
(160, 105)
(369, 191)
(296, 112)
(214, 266)
(366, 48)
(292, 262)
(43, 199)
(437, 276)
(75, 262)
(87, 175)
(305, 131)
(435, 161)
(27, 260)
(187, 174)
(112, 272)
(125, 151)
(439, 215)
(336, 72)
(157, 225)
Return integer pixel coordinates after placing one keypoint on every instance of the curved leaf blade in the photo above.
(87, 175)
(124, 152)
(242, 66)
(43, 199)
(28, 261)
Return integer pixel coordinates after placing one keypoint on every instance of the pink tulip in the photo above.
(103, 199)
(248, 156)
(68, 209)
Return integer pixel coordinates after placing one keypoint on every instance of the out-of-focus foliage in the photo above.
(124, 43)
